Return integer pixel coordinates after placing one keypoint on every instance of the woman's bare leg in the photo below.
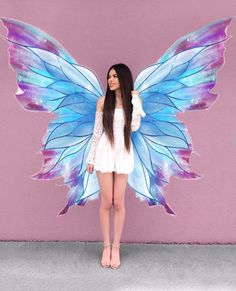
(106, 185)
(120, 183)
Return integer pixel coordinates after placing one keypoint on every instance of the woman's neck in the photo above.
(118, 94)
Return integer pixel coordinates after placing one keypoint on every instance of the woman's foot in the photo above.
(115, 256)
(106, 256)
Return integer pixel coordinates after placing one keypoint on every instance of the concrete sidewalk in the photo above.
(69, 266)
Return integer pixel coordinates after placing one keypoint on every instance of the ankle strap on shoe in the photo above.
(106, 245)
(116, 246)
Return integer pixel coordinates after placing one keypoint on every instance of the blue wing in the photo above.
(50, 80)
(180, 80)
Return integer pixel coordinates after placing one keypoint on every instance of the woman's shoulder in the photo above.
(100, 103)
(101, 99)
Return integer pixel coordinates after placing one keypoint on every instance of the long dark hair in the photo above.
(126, 86)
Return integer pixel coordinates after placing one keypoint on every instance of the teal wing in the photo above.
(50, 80)
(180, 80)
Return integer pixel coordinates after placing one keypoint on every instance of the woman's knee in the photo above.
(106, 203)
(106, 182)
(119, 204)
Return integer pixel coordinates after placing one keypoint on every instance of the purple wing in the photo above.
(180, 80)
(50, 80)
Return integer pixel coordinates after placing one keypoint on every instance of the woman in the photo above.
(111, 154)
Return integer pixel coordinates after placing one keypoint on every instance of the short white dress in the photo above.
(117, 159)
(102, 155)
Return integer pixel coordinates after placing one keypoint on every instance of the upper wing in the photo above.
(180, 80)
(50, 80)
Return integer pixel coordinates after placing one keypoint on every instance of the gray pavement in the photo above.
(69, 266)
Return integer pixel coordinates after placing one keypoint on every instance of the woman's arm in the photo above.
(137, 111)
(97, 131)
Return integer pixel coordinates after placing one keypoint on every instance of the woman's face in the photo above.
(113, 80)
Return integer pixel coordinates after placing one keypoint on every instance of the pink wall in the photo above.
(98, 34)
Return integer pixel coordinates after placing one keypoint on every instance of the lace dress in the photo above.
(117, 159)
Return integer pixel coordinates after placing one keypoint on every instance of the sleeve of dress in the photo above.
(137, 112)
(97, 132)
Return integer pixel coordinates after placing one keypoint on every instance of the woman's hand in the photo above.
(134, 92)
(90, 168)
(136, 99)
(137, 103)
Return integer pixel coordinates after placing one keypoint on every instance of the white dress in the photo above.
(105, 158)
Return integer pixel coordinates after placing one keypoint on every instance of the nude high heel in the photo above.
(106, 265)
(117, 246)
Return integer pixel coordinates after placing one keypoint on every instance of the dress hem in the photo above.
(110, 171)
